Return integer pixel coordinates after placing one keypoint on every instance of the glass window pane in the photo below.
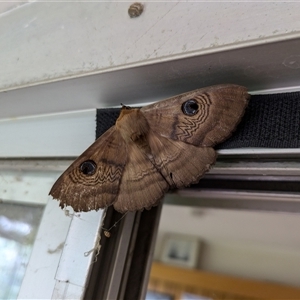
(18, 228)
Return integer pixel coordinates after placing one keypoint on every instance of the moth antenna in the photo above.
(125, 106)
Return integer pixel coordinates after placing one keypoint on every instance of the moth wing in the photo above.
(220, 108)
(100, 189)
(142, 186)
(181, 164)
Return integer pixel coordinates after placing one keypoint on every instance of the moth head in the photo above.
(125, 111)
(88, 167)
(125, 106)
(190, 107)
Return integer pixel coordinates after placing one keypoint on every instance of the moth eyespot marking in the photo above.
(190, 107)
(88, 167)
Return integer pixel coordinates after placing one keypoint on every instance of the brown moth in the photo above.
(150, 150)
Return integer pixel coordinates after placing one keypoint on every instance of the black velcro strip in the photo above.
(270, 121)
(106, 118)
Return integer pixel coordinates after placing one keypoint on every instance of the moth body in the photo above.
(133, 127)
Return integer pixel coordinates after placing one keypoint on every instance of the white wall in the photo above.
(248, 244)
(252, 261)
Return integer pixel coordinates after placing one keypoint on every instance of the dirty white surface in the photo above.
(65, 244)
(63, 134)
(25, 186)
(7, 6)
(49, 41)
(74, 265)
(92, 54)
(39, 280)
